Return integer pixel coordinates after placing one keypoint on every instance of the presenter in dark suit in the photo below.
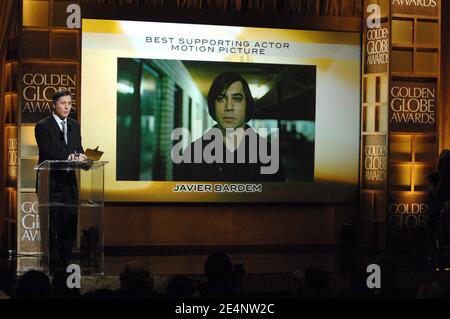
(59, 138)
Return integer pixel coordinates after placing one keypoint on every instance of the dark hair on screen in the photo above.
(220, 84)
(59, 94)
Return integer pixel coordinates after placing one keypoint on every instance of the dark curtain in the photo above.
(350, 8)
(341, 7)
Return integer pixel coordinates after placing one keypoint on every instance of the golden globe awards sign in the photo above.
(416, 7)
(376, 34)
(407, 220)
(412, 107)
(374, 161)
(29, 230)
(407, 211)
(12, 156)
(40, 82)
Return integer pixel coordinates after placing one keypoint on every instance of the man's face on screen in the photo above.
(63, 106)
(230, 106)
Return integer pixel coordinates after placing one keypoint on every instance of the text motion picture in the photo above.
(217, 46)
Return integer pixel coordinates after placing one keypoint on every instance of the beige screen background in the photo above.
(335, 55)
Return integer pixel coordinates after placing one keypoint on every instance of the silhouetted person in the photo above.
(358, 285)
(60, 288)
(296, 283)
(438, 223)
(315, 283)
(7, 282)
(237, 279)
(389, 274)
(431, 291)
(34, 285)
(180, 287)
(349, 245)
(218, 270)
(135, 281)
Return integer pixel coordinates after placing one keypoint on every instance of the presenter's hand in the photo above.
(77, 157)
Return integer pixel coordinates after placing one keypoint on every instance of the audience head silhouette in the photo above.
(136, 280)
(218, 267)
(431, 291)
(34, 285)
(7, 282)
(60, 289)
(315, 282)
(218, 270)
(180, 287)
(358, 284)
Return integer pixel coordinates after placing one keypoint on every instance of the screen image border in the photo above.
(338, 73)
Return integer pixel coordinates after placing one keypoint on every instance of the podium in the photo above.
(71, 207)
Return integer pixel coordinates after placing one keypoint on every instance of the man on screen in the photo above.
(58, 138)
(231, 150)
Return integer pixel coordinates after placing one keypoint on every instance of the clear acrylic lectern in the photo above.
(86, 184)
